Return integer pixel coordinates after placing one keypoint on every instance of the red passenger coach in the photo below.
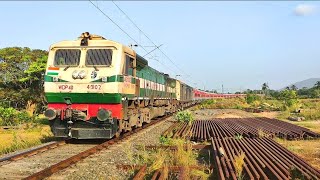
(199, 94)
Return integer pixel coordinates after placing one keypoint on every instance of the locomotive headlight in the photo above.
(103, 115)
(75, 74)
(82, 74)
(50, 114)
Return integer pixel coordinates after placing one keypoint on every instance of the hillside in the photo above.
(305, 83)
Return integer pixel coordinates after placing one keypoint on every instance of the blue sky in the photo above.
(238, 44)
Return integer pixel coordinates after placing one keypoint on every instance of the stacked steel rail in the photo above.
(264, 159)
(203, 130)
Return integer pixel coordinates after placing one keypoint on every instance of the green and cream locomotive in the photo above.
(98, 88)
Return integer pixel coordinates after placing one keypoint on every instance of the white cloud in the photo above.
(305, 10)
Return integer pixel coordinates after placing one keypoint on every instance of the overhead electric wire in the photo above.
(158, 47)
(126, 33)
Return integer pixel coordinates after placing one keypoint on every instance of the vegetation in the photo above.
(185, 116)
(238, 164)
(165, 140)
(21, 77)
(12, 117)
(307, 149)
(234, 103)
(25, 137)
(288, 101)
(164, 158)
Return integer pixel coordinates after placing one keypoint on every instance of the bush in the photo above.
(12, 117)
(165, 140)
(232, 103)
(184, 116)
(250, 98)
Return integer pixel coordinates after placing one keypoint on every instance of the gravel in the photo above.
(103, 165)
(29, 165)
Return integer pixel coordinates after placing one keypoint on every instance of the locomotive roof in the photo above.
(93, 40)
(100, 41)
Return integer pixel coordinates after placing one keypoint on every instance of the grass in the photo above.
(238, 165)
(13, 140)
(162, 159)
(232, 103)
(312, 125)
(309, 150)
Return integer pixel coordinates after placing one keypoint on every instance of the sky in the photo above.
(239, 45)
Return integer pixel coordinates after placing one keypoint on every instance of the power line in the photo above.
(127, 33)
(158, 47)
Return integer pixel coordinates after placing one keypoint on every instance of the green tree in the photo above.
(315, 93)
(21, 75)
(317, 85)
(289, 97)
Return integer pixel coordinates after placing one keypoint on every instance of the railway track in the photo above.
(32, 164)
(78, 157)
(26, 165)
(31, 152)
(43, 161)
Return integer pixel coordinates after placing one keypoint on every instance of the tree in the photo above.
(21, 75)
(289, 97)
(265, 88)
(317, 85)
(315, 93)
(293, 87)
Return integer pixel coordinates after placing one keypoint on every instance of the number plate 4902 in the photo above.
(94, 86)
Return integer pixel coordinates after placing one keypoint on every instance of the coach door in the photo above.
(131, 70)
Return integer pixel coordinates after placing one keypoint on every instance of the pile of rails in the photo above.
(203, 130)
(252, 138)
(264, 159)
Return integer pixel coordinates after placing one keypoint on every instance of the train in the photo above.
(97, 88)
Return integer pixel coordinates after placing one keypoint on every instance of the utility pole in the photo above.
(222, 88)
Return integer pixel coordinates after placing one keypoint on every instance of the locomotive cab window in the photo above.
(129, 66)
(67, 57)
(99, 57)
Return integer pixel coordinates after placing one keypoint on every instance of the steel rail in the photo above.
(33, 151)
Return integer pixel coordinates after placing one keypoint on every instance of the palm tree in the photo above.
(293, 87)
(265, 87)
(317, 85)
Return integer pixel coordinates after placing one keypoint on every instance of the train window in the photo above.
(99, 57)
(129, 66)
(67, 57)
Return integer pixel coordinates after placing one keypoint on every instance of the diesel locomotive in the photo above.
(98, 88)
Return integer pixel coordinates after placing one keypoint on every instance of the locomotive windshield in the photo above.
(99, 57)
(67, 57)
